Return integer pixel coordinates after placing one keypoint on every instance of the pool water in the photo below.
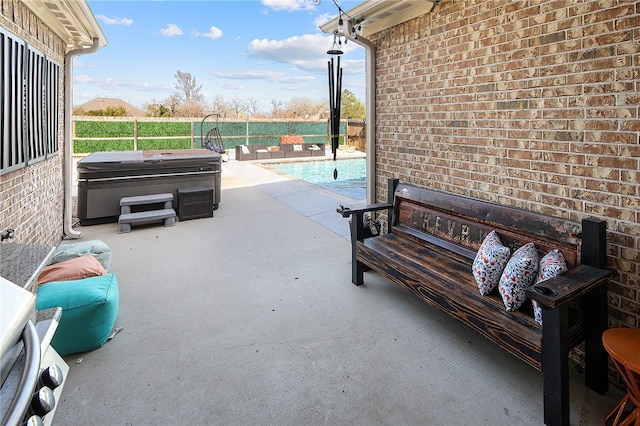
(351, 181)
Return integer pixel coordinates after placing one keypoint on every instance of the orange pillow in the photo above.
(73, 269)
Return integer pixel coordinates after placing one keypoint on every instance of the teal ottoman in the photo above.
(89, 310)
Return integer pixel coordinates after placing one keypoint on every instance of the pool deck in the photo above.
(250, 318)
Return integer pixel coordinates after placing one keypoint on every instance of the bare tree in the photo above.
(253, 107)
(188, 101)
(276, 107)
(188, 89)
(306, 108)
(238, 106)
(220, 106)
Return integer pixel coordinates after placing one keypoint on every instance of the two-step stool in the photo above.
(127, 218)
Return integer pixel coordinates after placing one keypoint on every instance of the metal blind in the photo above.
(30, 102)
(12, 115)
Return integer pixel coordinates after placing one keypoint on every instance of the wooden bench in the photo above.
(127, 218)
(430, 243)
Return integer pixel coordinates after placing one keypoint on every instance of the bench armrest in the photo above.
(348, 211)
(571, 285)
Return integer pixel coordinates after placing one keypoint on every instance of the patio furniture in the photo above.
(89, 310)
(127, 218)
(430, 246)
(623, 346)
(77, 281)
(289, 147)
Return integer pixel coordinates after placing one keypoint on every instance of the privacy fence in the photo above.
(91, 134)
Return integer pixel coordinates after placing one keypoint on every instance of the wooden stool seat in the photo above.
(623, 346)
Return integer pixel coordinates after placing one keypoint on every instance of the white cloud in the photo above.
(305, 47)
(115, 84)
(214, 32)
(233, 86)
(82, 78)
(323, 19)
(272, 76)
(107, 20)
(78, 63)
(307, 52)
(171, 30)
(290, 5)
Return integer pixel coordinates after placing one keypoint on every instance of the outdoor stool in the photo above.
(623, 346)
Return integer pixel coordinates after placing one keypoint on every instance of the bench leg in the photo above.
(357, 267)
(125, 228)
(555, 366)
(170, 221)
(596, 361)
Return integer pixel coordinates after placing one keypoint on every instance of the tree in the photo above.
(306, 108)
(110, 111)
(220, 106)
(253, 107)
(238, 106)
(187, 101)
(276, 107)
(156, 109)
(188, 89)
(351, 107)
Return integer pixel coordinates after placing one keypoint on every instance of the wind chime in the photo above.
(335, 95)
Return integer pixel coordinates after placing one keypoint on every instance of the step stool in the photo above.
(126, 219)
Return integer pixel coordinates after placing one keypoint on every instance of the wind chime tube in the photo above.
(335, 95)
(338, 104)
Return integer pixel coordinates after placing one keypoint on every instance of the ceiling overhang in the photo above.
(378, 15)
(72, 20)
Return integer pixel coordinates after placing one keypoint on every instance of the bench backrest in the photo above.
(291, 139)
(460, 224)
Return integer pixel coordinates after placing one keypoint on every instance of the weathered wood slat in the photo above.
(553, 228)
(516, 332)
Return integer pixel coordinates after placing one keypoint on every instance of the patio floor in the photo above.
(250, 318)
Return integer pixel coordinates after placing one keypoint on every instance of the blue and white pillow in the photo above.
(490, 260)
(519, 274)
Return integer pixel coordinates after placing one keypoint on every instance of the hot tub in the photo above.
(105, 177)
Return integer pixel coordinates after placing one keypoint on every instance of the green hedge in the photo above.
(232, 133)
(85, 147)
(150, 144)
(163, 128)
(104, 129)
(268, 129)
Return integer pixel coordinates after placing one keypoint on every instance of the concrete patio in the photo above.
(250, 318)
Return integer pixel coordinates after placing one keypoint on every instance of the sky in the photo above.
(258, 50)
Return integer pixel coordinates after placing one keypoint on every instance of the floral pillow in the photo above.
(519, 274)
(489, 263)
(551, 264)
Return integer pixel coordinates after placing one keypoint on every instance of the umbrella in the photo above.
(335, 94)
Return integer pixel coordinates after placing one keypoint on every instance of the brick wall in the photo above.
(31, 198)
(532, 104)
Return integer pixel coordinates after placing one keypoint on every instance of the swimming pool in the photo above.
(351, 181)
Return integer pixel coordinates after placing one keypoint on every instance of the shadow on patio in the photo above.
(250, 318)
